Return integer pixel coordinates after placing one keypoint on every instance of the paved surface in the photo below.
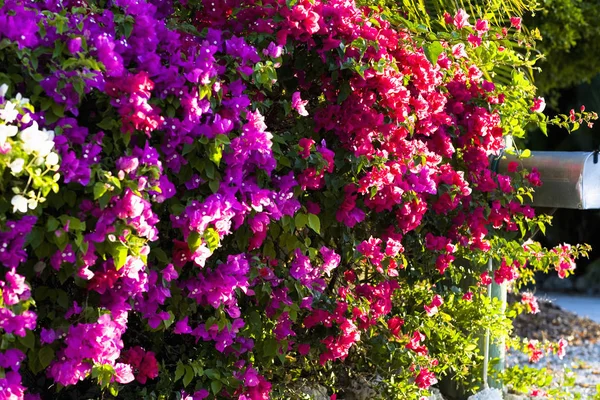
(583, 306)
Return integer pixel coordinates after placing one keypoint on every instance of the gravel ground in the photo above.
(583, 354)
(584, 361)
(554, 322)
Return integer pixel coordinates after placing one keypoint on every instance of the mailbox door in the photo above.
(569, 179)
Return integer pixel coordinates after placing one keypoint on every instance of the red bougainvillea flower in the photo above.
(394, 325)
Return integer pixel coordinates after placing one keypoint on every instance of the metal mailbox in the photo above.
(569, 179)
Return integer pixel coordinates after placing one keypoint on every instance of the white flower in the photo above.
(17, 165)
(32, 203)
(21, 100)
(7, 131)
(9, 114)
(19, 203)
(51, 159)
(3, 89)
(34, 140)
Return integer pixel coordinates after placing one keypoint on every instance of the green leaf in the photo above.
(160, 255)
(215, 154)
(360, 44)
(216, 387)
(62, 299)
(214, 185)
(470, 347)
(542, 227)
(204, 91)
(119, 254)
(58, 110)
(301, 220)
(180, 371)
(544, 128)
(79, 87)
(344, 92)
(526, 153)
(270, 347)
(52, 224)
(209, 169)
(46, 355)
(314, 223)
(194, 241)
(222, 139)
(28, 340)
(212, 374)
(212, 238)
(433, 51)
(99, 190)
(189, 375)
(74, 223)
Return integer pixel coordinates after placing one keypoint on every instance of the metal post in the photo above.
(497, 346)
(494, 347)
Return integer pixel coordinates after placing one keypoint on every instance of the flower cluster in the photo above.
(26, 150)
(216, 189)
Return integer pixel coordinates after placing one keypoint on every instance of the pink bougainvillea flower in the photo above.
(535, 351)
(313, 208)
(513, 166)
(458, 51)
(482, 26)
(305, 145)
(461, 19)
(561, 347)
(534, 177)
(299, 105)
(485, 279)
(537, 393)
(123, 373)
(303, 348)
(432, 308)
(448, 18)
(529, 300)
(415, 344)
(425, 378)
(539, 104)
(474, 40)
(505, 273)
(516, 22)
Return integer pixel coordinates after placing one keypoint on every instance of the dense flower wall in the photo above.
(220, 199)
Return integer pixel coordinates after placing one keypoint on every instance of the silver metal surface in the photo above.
(569, 179)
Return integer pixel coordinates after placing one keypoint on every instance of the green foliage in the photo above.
(570, 43)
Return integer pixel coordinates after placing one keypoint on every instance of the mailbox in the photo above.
(569, 179)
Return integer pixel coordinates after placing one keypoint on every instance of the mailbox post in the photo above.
(569, 180)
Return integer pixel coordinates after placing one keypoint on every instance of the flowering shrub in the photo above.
(223, 198)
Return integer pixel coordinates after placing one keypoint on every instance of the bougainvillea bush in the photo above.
(225, 199)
